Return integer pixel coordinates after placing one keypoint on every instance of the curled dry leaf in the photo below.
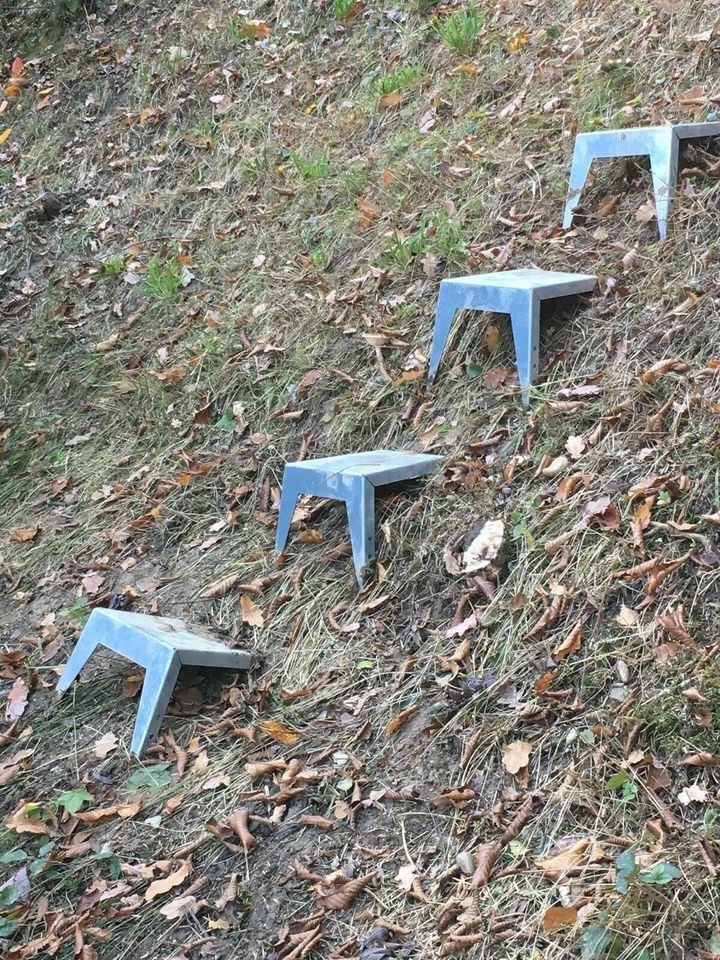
(299, 938)
(558, 603)
(238, 822)
(399, 719)
(341, 895)
(702, 759)
(662, 367)
(259, 768)
(572, 642)
(221, 587)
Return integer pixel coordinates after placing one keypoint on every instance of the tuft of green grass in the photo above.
(399, 78)
(114, 267)
(163, 280)
(342, 8)
(460, 29)
(314, 166)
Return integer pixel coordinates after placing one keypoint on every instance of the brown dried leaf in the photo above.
(662, 367)
(259, 768)
(557, 918)
(399, 719)
(17, 700)
(279, 732)
(158, 887)
(566, 860)
(602, 513)
(24, 534)
(238, 821)
(572, 642)
(221, 587)
(309, 380)
(251, 612)
(343, 895)
(516, 755)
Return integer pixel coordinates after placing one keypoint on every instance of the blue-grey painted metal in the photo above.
(159, 644)
(517, 292)
(660, 144)
(351, 478)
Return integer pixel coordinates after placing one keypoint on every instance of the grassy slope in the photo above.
(255, 162)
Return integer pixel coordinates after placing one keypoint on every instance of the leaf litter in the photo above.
(231, 264)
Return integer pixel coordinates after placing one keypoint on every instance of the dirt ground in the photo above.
(222, 233)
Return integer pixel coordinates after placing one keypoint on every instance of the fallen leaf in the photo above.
(179, 907)
(556, 918)
(5, 134)
(390, 100)
(602, 513)
(158, 887)
(693, 794)
(344, 893)
(516, 755)
(566, 860)
(17, 699)
(572, 642)
(575, 446)
(310, 378)
(279, 732)
(485, 546)
(105, 745)
(251, 612)
(645, 212)
(399, 719)
(24, 534)
(627, 616)
(255, 29)
(659, 369)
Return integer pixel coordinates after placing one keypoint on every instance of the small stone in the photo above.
(622, 671)
(466, 862)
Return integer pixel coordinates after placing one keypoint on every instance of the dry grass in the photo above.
(286, 282)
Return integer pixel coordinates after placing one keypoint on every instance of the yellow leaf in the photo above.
(278, 731)
(255, 29)
(5, 134)
(390, 100)
(558, 917)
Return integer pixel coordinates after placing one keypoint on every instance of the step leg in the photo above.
(444, 315)
(525, 318)
(360, 506)
(291, 489)
(582, 161)
(160, 677)
(664, 168)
